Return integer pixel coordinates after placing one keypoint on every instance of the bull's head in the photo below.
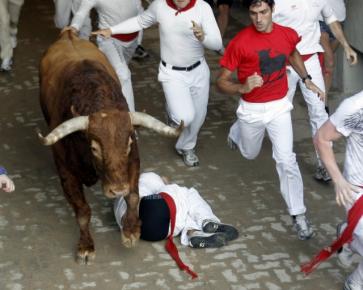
(110, 140)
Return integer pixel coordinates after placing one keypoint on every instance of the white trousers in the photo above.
(357, 246)
(186, 94)
(191, 210)
(9, 18)
(119, 54)
(248, 133)
(62, 17)
(316, 108)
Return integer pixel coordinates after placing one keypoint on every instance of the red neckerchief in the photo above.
(354, 215)
(172, 5)
(170, 246)
(126, 36)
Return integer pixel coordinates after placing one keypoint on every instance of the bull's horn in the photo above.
(147, 121)
(64, 129)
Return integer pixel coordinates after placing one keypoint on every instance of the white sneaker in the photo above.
(302, 226)
(6, 64)
(345, 254)
(350, 284)
(189, 157)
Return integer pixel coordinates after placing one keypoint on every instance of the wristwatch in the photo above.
(3, 171)
(306, 77)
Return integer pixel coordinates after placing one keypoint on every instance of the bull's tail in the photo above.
(68, 35)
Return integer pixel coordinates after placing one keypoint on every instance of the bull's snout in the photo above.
(116, 191)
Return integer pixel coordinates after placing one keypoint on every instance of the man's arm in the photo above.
(212, 38)
(298, 64)
(226, 85)
(81, 14)
(137, 23)
(337, 30)
(322, 141)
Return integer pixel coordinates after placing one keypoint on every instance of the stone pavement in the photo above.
(38, 233)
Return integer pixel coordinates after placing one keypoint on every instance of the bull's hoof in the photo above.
(130, 241)
(86, 256)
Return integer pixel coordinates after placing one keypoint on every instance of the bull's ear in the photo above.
(74, 112)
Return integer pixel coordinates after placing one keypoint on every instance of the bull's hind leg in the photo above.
(131, 222)
(73, 191)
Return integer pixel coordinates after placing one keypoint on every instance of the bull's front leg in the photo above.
(131, 225)
(73, 191)
(131, 222)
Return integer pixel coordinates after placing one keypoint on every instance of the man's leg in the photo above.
(291, 185)
(199, 92)
(316, 108)
(223, 17)
(328, 61)
(202, 227)
(247, 137)
(356, 278)
(5, 40)
(113, 49)
(14, 12)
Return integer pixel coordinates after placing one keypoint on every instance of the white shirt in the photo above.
(348, 120)
(179, 195)
(303, 16)
(339, 9)
(178, 45)
(110, 12)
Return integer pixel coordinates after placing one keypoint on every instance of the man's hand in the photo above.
(198, 31)
(344, 192)
(350, 55)
(70, 28)
(6, 183)
(103, 32)
(312, 87)
(252, 82)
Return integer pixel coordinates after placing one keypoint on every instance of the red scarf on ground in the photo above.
(354, 215)
(172, 5)
(170, 246)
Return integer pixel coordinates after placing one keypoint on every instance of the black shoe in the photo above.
(140, 52)
(199, 239)
(228, 231)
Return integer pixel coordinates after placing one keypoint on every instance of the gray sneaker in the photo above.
(302, 226)
(170, 122)
(345, 253)
(321, 174)
(231, 144)
(189, 157)
(350, 284)
(229, 231)
(6, 64)
(140, 52)
(199, 239)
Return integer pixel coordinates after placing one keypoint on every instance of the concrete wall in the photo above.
(349, 78)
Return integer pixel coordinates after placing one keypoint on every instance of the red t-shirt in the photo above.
(266, 54)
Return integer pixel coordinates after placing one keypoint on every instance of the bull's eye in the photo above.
(96, 149)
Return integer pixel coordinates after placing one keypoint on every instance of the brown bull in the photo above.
(81, 100)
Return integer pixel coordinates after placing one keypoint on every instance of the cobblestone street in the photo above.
(38, 231)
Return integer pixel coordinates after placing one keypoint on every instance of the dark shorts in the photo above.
(325, 28)
(217, 3)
